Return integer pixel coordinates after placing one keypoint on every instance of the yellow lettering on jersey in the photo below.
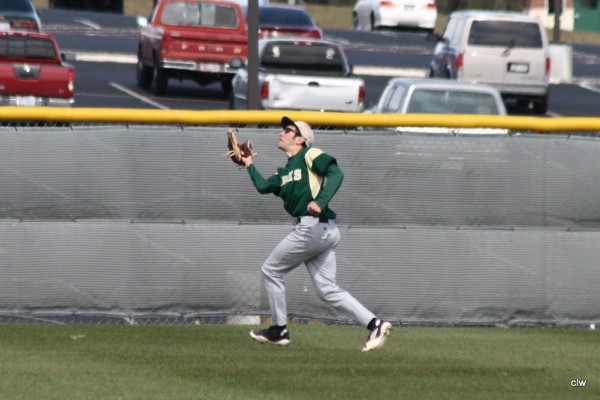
(294, 175)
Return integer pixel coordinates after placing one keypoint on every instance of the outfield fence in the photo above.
(136, 216)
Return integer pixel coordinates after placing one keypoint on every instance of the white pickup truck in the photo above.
(301, 74)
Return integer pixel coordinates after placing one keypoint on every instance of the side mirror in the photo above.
(433, 37)
(236, 63)
(141, 21)
(66, 57)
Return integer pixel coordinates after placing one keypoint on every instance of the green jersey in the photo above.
(309, 175)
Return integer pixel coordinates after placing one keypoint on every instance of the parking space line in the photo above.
(589, 86)
(101, 57)
(358, 69)
(390, 71)
(138, 96)
(88, 23)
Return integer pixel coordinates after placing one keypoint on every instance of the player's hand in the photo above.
(247, 160)
(313, 209)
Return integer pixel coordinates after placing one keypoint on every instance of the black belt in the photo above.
(321, 219)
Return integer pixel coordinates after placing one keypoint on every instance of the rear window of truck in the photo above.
(27, 47)
(505, 33)
(288, 17)
(319, 59)
(200, 14)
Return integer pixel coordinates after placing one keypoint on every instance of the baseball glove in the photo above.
(238, 150)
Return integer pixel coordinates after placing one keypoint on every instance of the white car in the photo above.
(369, 15)
(439, 96)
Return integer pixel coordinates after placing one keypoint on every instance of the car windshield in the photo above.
(392, 99)
(505, 33)
(26, 47)
(303, 58)
(14, 5)
(200, 14)
(435, 101)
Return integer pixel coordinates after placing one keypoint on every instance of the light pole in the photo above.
(557, 13)
(253, 96)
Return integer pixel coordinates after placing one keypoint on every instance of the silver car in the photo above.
(439, 96)
(19, 15)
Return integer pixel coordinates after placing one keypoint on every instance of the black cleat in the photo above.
(272, 335)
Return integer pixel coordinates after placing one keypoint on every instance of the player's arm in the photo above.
(327, 167)
(261, 184)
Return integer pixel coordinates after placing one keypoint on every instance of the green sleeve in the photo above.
(334, 178)
(261, 184)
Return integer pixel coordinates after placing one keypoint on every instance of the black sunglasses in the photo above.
(288, 130)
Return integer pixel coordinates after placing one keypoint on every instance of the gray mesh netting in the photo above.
(152, 224)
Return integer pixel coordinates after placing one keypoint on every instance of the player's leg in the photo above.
(287, 255)
(303, 243)
(322, 269)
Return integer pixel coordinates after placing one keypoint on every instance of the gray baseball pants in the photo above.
(312, 243)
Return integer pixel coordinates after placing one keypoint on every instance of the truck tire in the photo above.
(231, 101)
(540, 106)
(372, 26)
(144, 74)
(159, 79)
(226, 85)
(355, 25)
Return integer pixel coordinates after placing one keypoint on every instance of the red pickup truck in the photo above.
(191, 39)
(32, 71)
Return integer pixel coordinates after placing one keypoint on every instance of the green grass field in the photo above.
(46, 361)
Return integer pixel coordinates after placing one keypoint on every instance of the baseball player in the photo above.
(306, 184)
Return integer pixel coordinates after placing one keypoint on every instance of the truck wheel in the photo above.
(227, 86)
(540, 106)
(355, 21)
(231, 101)
(144, 74)
(159, 79)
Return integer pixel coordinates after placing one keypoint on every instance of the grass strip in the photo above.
(45, 361)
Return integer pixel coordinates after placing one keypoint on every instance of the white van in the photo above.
(507, 50)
